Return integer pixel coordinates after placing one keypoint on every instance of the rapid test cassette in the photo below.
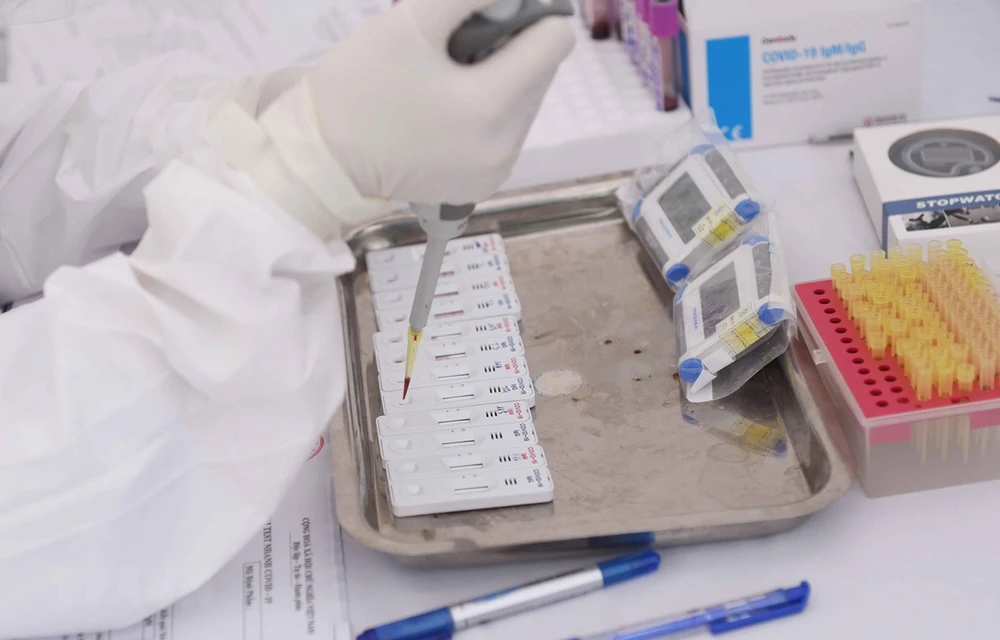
(482, 416)
(412, 256)
(460, 395)
(694, 212)
(452, 352)
(468, 492)
(476, 370)
(451, 440)
(452, 270)
(726, 311)
(491, 328)
(509, 459)
(458, 288)
(450, 310)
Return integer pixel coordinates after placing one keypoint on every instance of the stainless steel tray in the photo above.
(631, 461)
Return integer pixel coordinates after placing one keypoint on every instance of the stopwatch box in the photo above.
(933, 181)
(791, 71)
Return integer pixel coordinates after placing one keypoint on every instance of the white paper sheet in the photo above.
(287, 583)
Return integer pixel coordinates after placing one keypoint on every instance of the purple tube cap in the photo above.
(642, 7)
(663, 18)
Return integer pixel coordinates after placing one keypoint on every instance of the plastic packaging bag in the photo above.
(693, 204)
(714, 241)
(735, 317)
(749, 422)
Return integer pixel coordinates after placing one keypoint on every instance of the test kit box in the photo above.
(790, 71)
(933, 181)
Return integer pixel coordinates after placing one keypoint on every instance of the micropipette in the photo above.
(477, 38)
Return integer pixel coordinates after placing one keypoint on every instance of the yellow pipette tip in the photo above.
(965, 373)
(412, 347)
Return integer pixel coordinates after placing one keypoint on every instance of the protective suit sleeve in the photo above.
(157, 406)
(74, 159)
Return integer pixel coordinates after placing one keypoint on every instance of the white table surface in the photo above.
(916, 566)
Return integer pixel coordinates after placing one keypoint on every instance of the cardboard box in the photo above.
(933, 181)
(787, 71)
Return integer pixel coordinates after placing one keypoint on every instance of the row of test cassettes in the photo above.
(463, 439)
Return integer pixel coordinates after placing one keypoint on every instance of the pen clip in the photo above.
(799, 596)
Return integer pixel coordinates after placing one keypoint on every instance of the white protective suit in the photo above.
(156, 406)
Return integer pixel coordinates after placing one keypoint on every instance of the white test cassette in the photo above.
(467, 492)
(473, 370)
(452, 270)
(458, 288)
(413, 255)
(693, 213)
(506, 459)
(450, 440)
(483, 416)
(460, 395)
(450, 332)
(452, 352)
(450, 310)
(727, 310)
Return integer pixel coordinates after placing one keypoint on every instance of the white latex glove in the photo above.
(407, 123)
(387, 115)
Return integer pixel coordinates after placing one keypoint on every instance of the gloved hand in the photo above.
(388, 115)
(408, 123)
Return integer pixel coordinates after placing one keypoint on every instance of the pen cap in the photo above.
(434, 625)
(628, 567)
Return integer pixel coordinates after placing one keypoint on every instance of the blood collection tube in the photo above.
(664, 27)
(628, 10)
(597, 16)
(642, 39)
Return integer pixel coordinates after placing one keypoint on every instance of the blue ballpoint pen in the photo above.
(443, 623)
(719, 618)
